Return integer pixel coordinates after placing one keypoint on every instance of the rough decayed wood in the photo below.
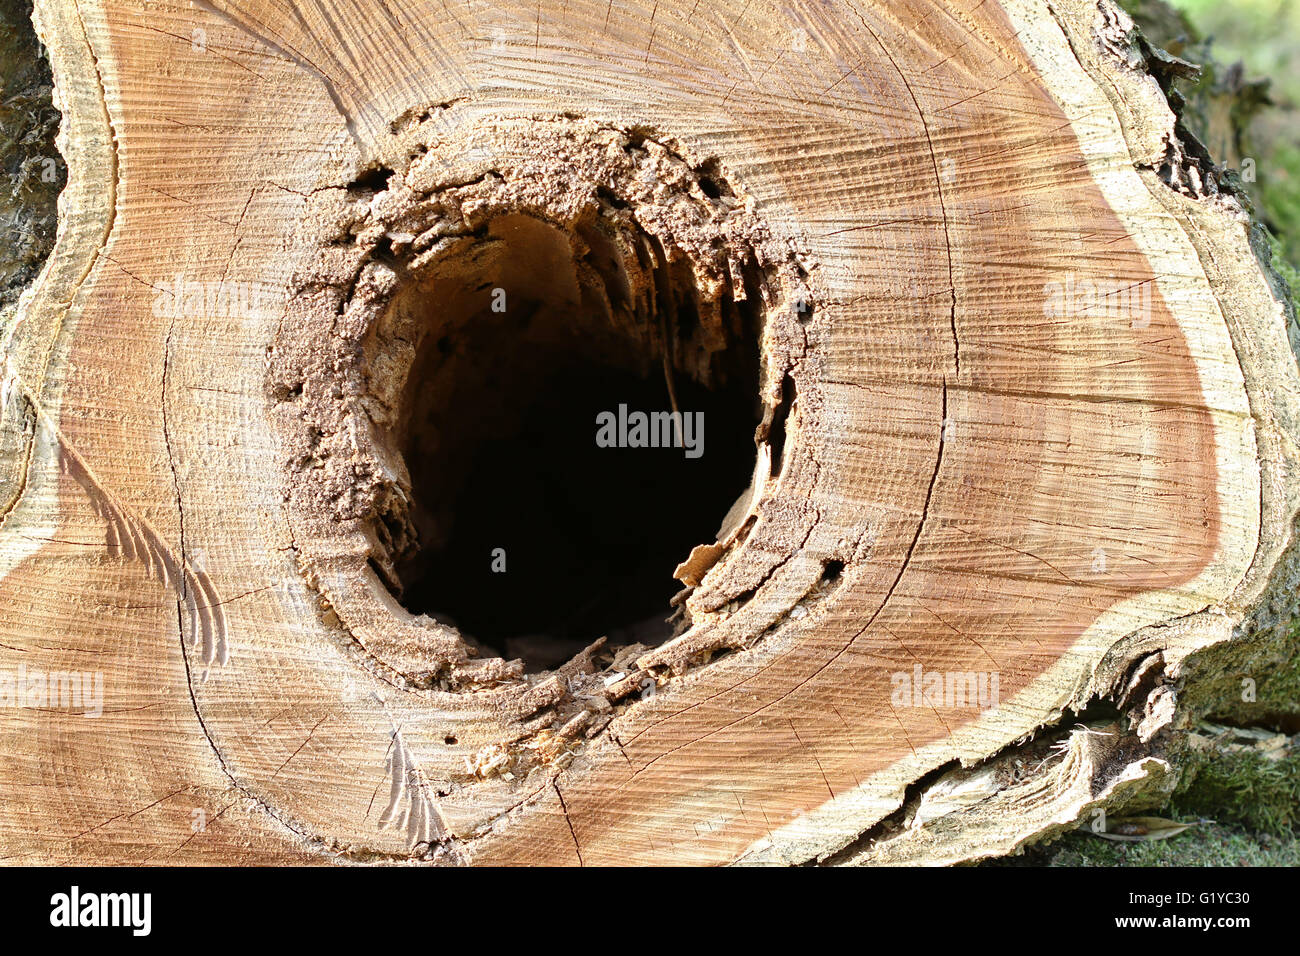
(1029, 414)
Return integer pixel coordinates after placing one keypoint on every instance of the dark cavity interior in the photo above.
(499, 433)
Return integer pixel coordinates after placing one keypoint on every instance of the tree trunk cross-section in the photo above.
(1026, 425)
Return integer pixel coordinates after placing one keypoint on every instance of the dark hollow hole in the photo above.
(534, 540)
(371, 181)
(776, 433)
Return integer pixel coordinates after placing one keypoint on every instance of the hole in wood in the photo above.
(553, 490)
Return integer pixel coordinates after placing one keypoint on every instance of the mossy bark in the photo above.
(33, 169)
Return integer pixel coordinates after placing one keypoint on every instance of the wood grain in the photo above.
(1006, 483)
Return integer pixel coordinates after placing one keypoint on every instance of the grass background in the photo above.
(1264, 35)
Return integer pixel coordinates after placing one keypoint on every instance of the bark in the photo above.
(1027, 426)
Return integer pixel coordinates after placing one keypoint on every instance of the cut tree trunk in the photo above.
(1023, 454)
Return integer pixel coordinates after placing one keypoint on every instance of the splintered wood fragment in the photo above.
(1140, 829)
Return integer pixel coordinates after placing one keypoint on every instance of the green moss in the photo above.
(1208, 844)
(1245, 788)
(1257, 687)
(1292, 277)
(1278, 690)
(1280, 194)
